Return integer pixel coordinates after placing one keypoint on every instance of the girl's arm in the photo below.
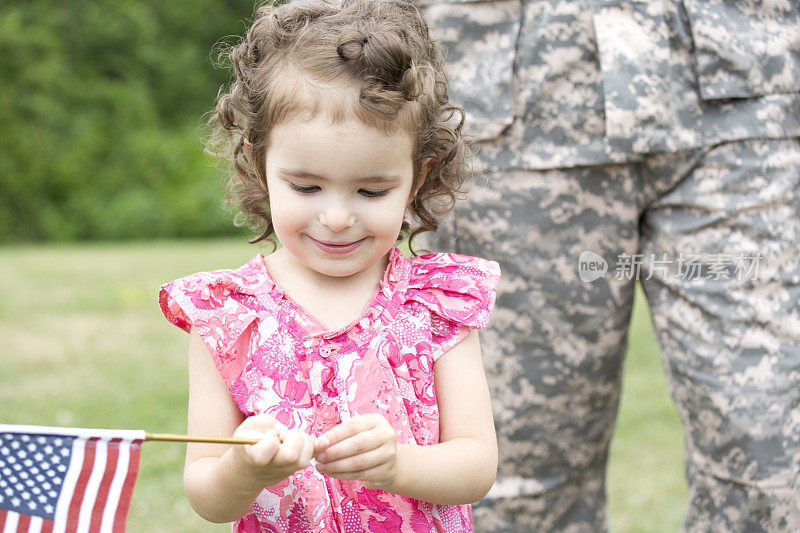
(460, 469)
(222, 481)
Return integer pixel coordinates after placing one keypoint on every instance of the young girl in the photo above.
(357, 368)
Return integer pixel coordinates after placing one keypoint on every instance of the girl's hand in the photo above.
(278, 453)
(363, 448)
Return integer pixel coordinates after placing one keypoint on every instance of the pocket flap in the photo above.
(478, 39)
(745, 49)
(648, 104)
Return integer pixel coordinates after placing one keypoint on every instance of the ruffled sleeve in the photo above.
(213, 303)
(459, 291)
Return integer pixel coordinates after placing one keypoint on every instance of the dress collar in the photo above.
(305, 326)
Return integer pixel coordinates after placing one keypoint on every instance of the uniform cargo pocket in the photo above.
(478, 38)
(745, 49)
(648, 105)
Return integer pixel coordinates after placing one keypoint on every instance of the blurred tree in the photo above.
(101, 108)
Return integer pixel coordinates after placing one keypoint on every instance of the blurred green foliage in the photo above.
(102, 106)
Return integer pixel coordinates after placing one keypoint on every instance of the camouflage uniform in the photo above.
(656, 134)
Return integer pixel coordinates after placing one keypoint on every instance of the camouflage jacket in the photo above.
(559, 83)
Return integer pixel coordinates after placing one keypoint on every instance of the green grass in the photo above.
(84, 344)
(646, 487)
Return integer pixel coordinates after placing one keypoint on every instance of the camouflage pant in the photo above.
(723, 287)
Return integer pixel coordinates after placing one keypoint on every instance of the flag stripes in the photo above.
(94, 491)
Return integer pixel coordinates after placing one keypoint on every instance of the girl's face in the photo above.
(338, 192)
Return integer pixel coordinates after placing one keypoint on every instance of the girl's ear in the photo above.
(423, 174)
(248, 148)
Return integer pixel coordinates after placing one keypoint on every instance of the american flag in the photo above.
(66, 479)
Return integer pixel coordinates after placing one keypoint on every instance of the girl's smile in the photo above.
(338, 193)
(337, 248)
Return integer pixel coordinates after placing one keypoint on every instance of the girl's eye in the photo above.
(304, 189)
(372, 193)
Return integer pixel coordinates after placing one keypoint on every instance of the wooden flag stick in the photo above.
(191, 438)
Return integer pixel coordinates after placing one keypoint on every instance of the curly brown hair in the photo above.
(296, 58)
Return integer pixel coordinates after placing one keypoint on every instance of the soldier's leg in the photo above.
(554, 348)
(731, 337)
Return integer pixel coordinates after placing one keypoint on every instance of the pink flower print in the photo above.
(225, 329)
(456, 307)
(327, 417)
(387, 350)
(328, 378)
(240, 393)
(297, 519)
(295, 391)
(250, 523)
(374, 390)
(369, 498)
(277, 490)
(285, 413)
(210, 296)
(390, 524)
(419, 522)
(423, 351)
(421, 374)
(424, 423)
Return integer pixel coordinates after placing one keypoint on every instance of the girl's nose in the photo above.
(337, 217)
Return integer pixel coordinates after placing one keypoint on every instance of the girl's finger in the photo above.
(291, 450)
(359, 443)
(321, 444)
(350, 427)
(308, 450)
(262, 452)
(248, 433)
(354, 464)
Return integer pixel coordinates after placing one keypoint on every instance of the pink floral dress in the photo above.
(275, 358)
